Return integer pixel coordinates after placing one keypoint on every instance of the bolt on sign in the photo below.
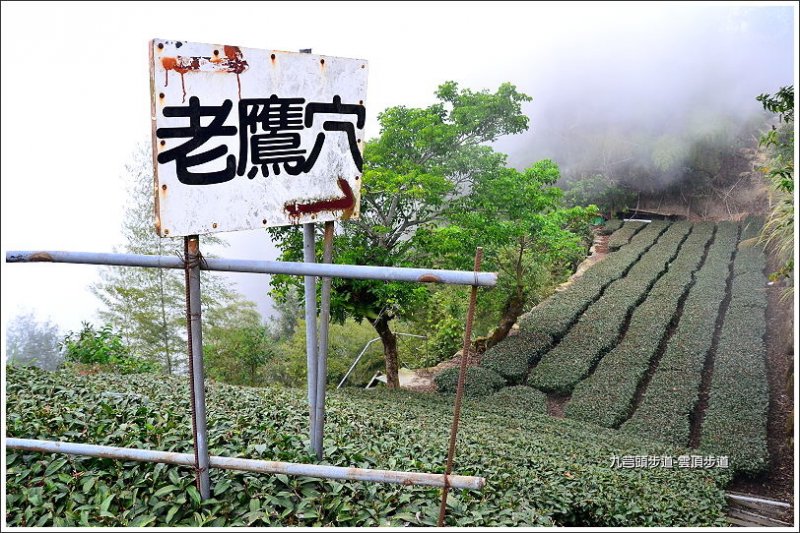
(246, 138)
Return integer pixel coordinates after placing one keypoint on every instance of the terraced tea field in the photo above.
(663, 339)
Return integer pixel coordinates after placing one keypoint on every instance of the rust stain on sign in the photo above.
(345, 203)
(232, 62)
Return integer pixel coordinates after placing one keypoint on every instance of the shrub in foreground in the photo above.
(479, 381)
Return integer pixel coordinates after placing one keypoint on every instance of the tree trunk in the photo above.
(390, 358)
(511, 312)
(512, 309)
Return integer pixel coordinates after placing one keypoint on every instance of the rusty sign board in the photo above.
(247, 138)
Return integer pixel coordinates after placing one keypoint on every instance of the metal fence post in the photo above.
(196, 378)
(322, 356)
(311, 328)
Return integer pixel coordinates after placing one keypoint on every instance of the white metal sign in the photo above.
(246, 138)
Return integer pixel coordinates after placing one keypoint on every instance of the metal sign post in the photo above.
(309, 257)
(255, 138)
(196, 374)
(322, 356)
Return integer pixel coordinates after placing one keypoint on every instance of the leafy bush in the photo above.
(105, 348)
(442, 321)
(622, 236)
(600, 190)
(345, 342)
(479, 381)
(606, 397)
(521, 397)
(778, 232)
(610, 226)
(667, 405)
(599, 327)
(539, 470)
(512, 357)
(239, 354)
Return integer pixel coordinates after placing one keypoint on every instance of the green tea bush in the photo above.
(735, 422)
(479, 381)
(512, 357)
(610, 226)
(540, 471)
(558, 313)
(521, 397)
(622, 236)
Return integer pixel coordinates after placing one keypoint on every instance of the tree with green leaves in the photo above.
(237, 345)
(778, 231)
(423, 161)
(147, 306)
(528, 238)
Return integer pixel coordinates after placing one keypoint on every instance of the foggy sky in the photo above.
(661, 75)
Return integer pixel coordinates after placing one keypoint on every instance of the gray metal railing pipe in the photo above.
(419, 275)
(248, 465)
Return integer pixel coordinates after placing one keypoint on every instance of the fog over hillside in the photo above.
(677, 72)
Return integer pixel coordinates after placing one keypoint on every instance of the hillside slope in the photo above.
(663, 339)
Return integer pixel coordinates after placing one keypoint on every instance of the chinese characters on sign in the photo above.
(666, 461)
(273, 118)
(254, 138)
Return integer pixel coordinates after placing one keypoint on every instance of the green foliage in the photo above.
(606, 397)
(623, 235)
(526, 235)
(610, 197)
(237, 347)
(512, 357)
(441, 320)
(540, 471)
(526, 399)
(667, 405)
(778, 232)
(610, 226)
(345, 342)
(424, 159)
(598, 329)
(479, 381)
(105, 348)
(31, 342)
